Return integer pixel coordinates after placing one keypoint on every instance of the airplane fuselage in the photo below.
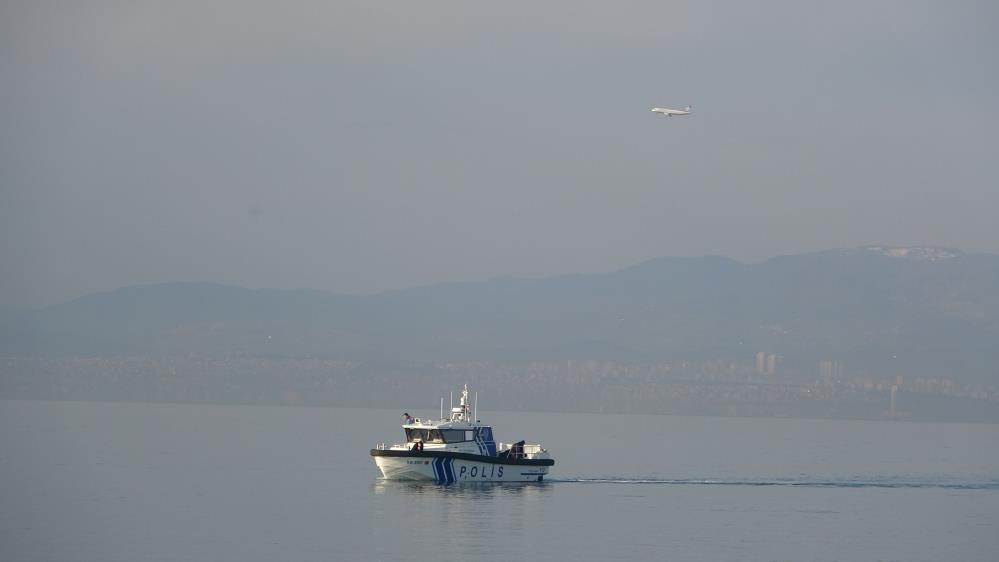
(665, 111)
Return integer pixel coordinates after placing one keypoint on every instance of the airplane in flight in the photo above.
(667, 112)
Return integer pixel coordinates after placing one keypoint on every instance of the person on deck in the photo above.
(407, 419)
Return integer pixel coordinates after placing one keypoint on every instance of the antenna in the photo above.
(475, 415)
(442, 407)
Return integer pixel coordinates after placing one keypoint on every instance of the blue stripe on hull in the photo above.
(443, 470)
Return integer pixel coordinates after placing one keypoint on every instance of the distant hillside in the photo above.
(926, 311)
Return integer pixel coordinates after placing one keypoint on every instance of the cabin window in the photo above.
(414, 434)
(425, 435)
(486, 433)
(453, 435)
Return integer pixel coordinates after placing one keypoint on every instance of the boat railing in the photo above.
(516, 450)
(524, 450)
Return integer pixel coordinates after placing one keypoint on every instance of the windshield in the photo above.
(424, 435)
(414, 434)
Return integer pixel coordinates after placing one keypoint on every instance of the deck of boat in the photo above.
(500, 459)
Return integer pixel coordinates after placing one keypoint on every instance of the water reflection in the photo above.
(476, 490)
(473, 521)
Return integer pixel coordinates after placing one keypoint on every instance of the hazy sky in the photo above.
(362, 146)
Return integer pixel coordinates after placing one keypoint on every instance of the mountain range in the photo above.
(922, 311)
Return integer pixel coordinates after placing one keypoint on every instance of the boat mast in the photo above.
(464, 406)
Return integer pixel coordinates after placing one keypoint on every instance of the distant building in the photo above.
(766, 363)
(772, 361)
(826, 371)
(830, 371)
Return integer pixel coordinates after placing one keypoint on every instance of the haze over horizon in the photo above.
(360, 148)
(898, 252)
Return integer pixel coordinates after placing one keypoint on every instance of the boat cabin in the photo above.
(435, 435)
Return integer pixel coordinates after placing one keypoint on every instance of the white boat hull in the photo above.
(447, 469)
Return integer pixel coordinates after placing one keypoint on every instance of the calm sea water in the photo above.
(132, 482)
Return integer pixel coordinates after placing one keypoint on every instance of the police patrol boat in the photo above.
(459, 448)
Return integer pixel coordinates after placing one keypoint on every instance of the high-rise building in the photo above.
(826, 371)
(830, 370)
(761, 362)
(772, 361)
